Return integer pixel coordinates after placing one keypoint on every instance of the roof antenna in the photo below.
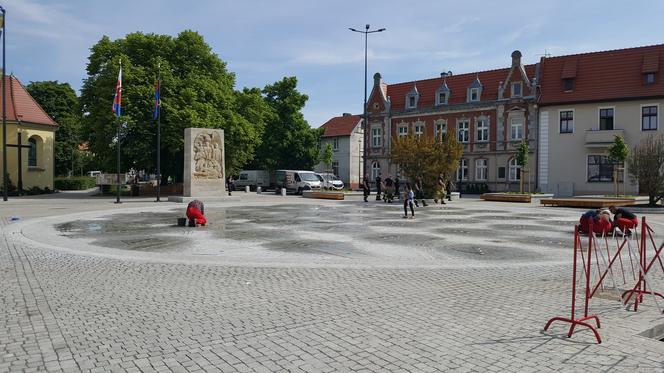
(546, 54)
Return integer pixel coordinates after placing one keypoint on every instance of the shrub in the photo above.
(74, 183)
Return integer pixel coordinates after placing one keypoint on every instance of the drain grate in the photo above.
(656, 332)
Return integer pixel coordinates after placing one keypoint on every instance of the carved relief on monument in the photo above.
(208, 159)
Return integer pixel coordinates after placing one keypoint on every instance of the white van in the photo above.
(253, 179)
(330, 181)
(296, 181)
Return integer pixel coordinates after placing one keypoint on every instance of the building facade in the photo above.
(587, 100)
(29, 123)
(345, 135)
(489, 112)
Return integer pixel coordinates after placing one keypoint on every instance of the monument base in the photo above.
(205, 199)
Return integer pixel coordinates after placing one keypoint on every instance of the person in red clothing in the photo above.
(602, 224)
(624, 219)
(195, 211)
(586, 218)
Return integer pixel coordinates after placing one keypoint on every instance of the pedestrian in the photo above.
(624, 220)
(419, 192)
(231, 185)
(408, 201)
(397, 186)
(379, 187)
(389, 189)
(366, 188)
(448, 188)
(440, 191)
(195, 213)
(586, 218)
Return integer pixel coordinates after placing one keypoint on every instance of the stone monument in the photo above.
(204, 171)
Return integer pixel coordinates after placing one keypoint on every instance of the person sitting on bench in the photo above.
(195, 211)
(624, 219)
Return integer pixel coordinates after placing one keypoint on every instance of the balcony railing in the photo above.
(602, 138)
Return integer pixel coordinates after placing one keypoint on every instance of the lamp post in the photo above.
(5, 185)
(366, 33)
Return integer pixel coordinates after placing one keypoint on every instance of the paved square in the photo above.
(288, 284)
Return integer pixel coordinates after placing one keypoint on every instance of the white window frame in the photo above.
(402, 130)
(419, 129)
(470, 95)
(481, 169)
(484, 129)
(573, 120)
(512, 94)
(599, 110)
(439, 101)
(512, 125)
(641, 117)
(462, 170)
(621, 176)
(335, 144)
(376, 137)
(512, 173)
(466, 130)
(440, 126)
(408, 98)
(375, 171)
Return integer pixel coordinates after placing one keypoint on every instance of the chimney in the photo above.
(445, 74)
(516, 58)
(377, 79)
(347, 114)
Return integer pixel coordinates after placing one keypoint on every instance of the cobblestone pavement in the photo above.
(468, 289)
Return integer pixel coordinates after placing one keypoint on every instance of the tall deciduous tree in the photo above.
(426, 157)
(196, 91)
(288, 140)
(646, 166)
(60, 103)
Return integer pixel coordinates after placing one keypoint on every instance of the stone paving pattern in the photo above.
(67, 312)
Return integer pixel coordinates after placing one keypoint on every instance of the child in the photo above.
(408, 201)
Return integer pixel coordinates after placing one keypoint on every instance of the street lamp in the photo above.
(5, 186)
(366, 32)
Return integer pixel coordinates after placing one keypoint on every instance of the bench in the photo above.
(506, 197)
(586, 202)
(323, 195)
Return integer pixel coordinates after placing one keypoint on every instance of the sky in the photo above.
(263, 41)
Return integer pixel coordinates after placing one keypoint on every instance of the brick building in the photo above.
(344, 135)
(490, 112)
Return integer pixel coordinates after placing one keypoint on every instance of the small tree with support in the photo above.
(618, 153)
(522, 161)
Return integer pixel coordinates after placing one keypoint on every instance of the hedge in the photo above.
(75, 183)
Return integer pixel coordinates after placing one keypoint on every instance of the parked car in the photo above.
(330, 181)
(253, 179)
(296, 181)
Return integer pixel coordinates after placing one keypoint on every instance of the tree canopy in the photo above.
(646, 165)
(60, 103)
(196, 91)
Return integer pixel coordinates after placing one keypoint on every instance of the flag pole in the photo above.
(117, 116)
(158, 103)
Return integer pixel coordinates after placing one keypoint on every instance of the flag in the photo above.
(117, 100)
(157, 94)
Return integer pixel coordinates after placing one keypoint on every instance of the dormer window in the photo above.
(411, 102)
(442, 94)
(412, 97)
(474, 94)
(568, 84)
(442, 98)
(516, 89)
(649, 78)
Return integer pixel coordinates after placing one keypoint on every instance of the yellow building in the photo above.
(29, 125)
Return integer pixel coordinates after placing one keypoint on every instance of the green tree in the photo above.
(196, 91)
(646, 166)
(618, 153)
(426, 157)
(288, 140)
(522, 161)
(326, 156)
(60, 103)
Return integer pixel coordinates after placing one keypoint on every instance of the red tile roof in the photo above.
(603, 76)
(21, 107)
(458, 85)
(341, 126)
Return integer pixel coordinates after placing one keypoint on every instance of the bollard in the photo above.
(283, 192)
(247, 189)
(258, 190)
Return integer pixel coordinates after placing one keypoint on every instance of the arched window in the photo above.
(32, 152)
(515, 170)
(375, 170)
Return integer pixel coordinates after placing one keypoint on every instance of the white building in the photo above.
(345, 135)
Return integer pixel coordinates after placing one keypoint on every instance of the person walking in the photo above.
(448, 189)
(408, 201)
(231, 185)
(366, 188)
(440, 191)
(389, 189)
(419, 192)
(397, 186)
(379, 187)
